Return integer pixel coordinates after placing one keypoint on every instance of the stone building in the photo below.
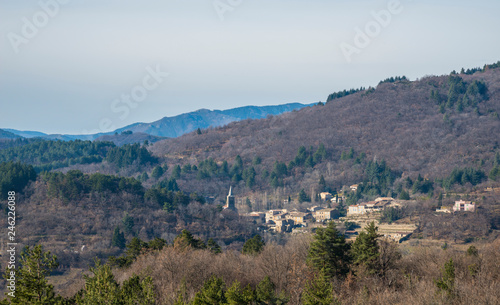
(230, 201)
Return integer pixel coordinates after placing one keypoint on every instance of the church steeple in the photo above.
(230, 201)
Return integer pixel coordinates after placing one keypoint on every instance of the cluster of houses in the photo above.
(283, 220)
(459, 206)
(377, 205)
(325, 196)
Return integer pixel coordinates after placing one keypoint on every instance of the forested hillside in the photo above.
(157, 208)
(427, 128)
(128, 137)
(71, 210)
(47, 155)
(7, 135)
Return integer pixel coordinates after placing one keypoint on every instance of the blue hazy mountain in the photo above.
(178, 125)
(5, 134)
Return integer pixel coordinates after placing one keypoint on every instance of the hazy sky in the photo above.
(69, 67)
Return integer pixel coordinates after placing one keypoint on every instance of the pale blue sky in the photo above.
(65, 78)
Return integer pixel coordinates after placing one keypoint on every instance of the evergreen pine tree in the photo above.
(143, 177)
(254, 245)
(465, 101)
(212, 293)
(319, 291)
(157, 243)
(32, 286)
(128, 224)
(157, 172)
(275, 182)
(118, 239)
(303, 196)
(309, 162)
(365, 250)
(459, 106)
(213, 246)
(472, 251)
(134, 248)
(350, 154)
(404, 195)
(329, 252)
(322, 184)
(320, 154)
(101, 288)
(137, 291)
(176, 172)
(237, 296)
(186, 239)
(265, 293)
(452, 97)
(447, 281)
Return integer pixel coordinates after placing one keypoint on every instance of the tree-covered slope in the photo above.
(400, 122)
(8, 135)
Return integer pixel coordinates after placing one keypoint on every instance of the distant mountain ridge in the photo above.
(5, 134)
(174, 126)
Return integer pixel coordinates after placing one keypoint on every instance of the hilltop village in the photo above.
(349, 219)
